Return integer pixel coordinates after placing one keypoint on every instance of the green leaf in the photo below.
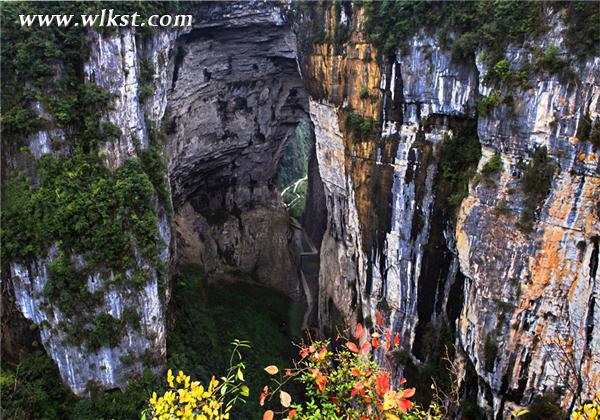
(245, 391)
(240, 375)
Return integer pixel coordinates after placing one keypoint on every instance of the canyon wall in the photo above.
(235, 100)
(114, 65)
(521, 304)
(216, 103)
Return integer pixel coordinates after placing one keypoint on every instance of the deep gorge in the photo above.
(450, 185)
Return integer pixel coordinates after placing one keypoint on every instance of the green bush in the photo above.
(493, 166)
(361, 128)
(535, 184)
(459, 156)
(588, 130)
(490, 350)
(364, 93)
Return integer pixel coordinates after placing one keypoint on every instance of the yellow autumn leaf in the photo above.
(271, 370)
(285, 399)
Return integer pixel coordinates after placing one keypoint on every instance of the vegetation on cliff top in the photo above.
(487, 24)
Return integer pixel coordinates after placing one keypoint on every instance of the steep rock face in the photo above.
(535, 293)
(374, 248)
(114, 65)
(235, 99)
(533, 296)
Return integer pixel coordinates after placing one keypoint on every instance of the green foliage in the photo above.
(459, 156)
(490, 351)
(481, 24)
(364, 93)
(296, 200)
(341, 34)
(550, 60)
(208, 318)
(535, 184)
(485, 103)
(583, 27)
(487, 25)
(491, 168)
(85, 210)
(588, 130)
(294, 162)
(34, 389)
(361, 128)
(293, 167)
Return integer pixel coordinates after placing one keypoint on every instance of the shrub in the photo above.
(588, 130)
(190, 399)
(536, 184)
(544, 407)
(364, 93)
(490, 351)
(493, 166)
(550, 60)
(588, 410)
(459, 156)
(344, 380)
(361, 128)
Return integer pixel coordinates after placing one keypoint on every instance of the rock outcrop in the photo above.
(114, 65)
(518, 302)
(235, 100)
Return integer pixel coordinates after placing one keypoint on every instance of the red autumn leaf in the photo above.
(303, 352)
(404, 405)
(321, 382)
(379, 320)
(365, 348)
(382, 383)
(291, 414)
(397, 340)
(359, 331)
(268, 415)
(402, 381)
(388, 340)
(263, 395)
(352, 347)
(355, 371)
(375, 342)
(408, 393)
(321, 355)
(357, 388)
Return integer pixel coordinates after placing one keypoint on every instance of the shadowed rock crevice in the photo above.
(236, 99)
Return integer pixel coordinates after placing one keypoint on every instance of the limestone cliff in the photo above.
(219, 100)
(114, 65)
(520, 303)
(235, 100)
